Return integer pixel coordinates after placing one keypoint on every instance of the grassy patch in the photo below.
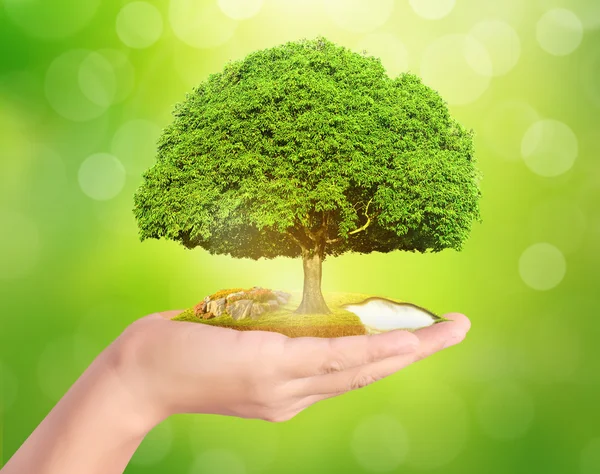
(339, 323)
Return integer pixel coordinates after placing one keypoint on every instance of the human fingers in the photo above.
(442, 335)
(432, 339)
(310, 356)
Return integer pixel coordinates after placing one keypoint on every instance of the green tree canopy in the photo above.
(309, 147)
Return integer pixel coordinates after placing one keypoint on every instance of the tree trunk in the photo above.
(312, 298)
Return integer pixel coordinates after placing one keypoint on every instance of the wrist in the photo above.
(95, 427)
(139, 413)
(128, 376)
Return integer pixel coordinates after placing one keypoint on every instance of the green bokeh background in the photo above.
(519, 395)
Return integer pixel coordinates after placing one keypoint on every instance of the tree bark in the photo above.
(312, 297)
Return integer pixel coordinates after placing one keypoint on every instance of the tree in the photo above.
(310, 150)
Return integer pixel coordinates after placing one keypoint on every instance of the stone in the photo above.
(243, 304)
(281, 300)
(234, 295)
(240, 309)
(200, 308)
(217, 307)
(256, 310)
(283, 295)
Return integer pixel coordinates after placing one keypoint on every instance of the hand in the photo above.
(183, 367)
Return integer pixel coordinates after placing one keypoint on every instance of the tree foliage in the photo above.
(310, 142)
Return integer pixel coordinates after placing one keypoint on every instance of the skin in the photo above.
(158, 367)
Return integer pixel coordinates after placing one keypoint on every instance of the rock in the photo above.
(240, 309)
(281, 300)
(200, 308)
(242, 304)
(256, 310)
(233, 295)
(216, 307)
(273, 305)
(282, 295)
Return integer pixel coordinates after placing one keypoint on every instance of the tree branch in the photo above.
(297, 240)
(325, 224)
(317, 237)
(311, 235)
(356, 231)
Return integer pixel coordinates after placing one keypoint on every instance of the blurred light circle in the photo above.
(379, 443)
(502, 44)
(559, 32)
(101, 176)
(458, 67)
(63, 86)
(432, 9)
(437, 425)
(542, 266)
(549, 148)
(504, 125)
(19, 244)
(218, 460)
(505, 410)
(97, 79)
(51, 19)
(359, 16)
(590, 457)
(560, 221)
(135, 145)
(240, 9)
(8, 388)
(139, 24)
(200, 24)
(589, 14)
(588, 11)
(123, 71)
(388, 48)
(155, 445)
